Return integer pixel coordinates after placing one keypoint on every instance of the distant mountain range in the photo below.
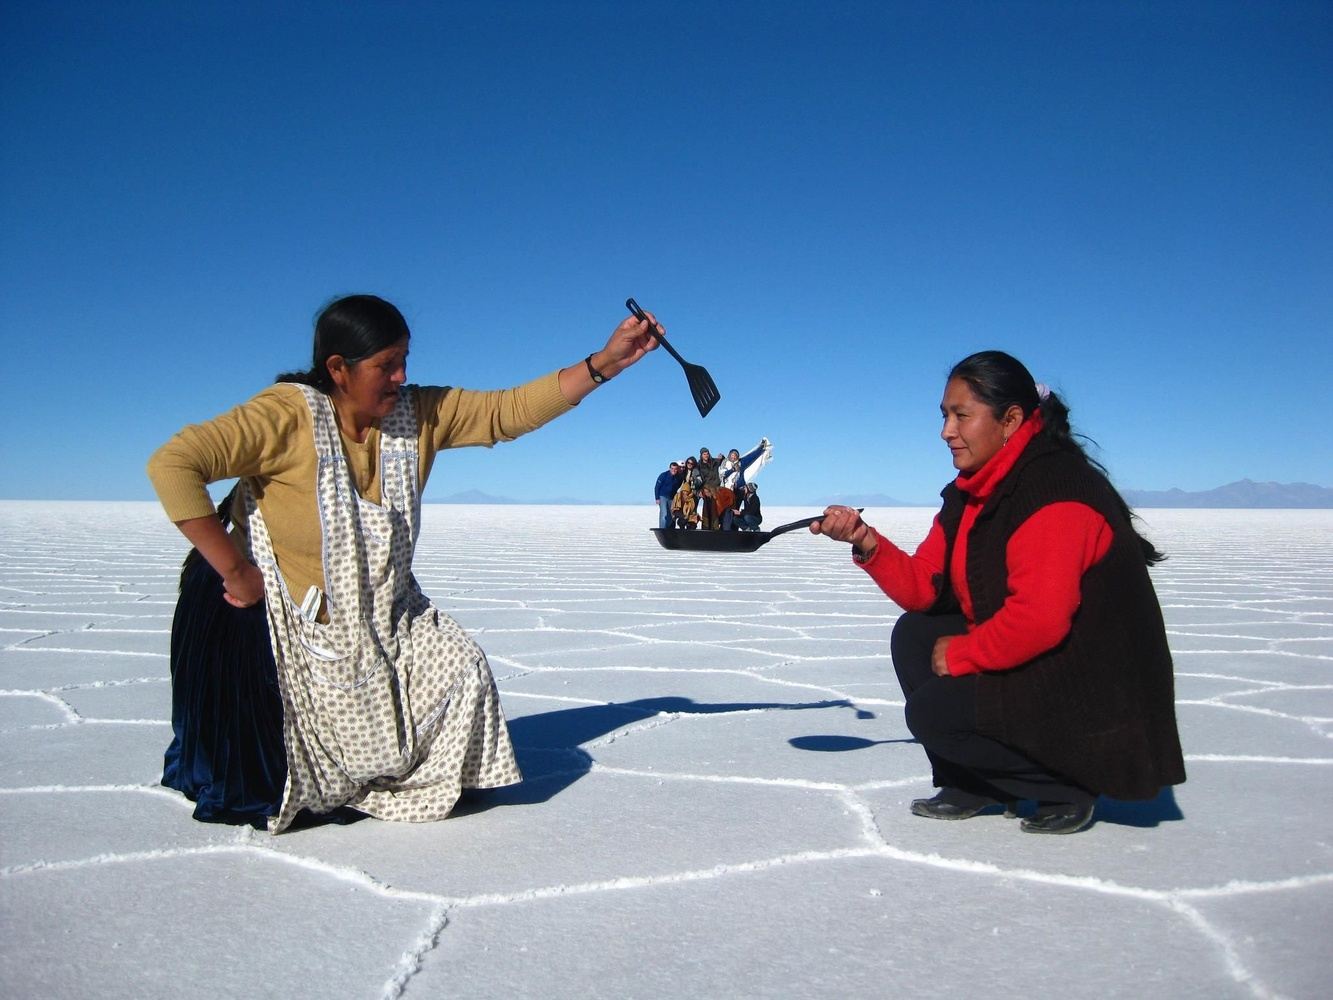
(866, 500)
(1246, 494)
(847, 499)
(1243, 494)
(478, 497)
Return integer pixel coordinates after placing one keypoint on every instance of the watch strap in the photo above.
(597, 376)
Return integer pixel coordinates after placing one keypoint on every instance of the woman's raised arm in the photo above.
(629, 342)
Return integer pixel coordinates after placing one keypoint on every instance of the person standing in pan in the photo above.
(709, 482)
(350, 688)
(664, 491)
(1032, 653)
(734, 471)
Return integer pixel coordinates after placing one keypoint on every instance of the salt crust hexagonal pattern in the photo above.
(716, 796)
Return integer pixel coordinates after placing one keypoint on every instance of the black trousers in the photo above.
(942, 715)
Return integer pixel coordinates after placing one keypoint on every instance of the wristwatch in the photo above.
(597, 376)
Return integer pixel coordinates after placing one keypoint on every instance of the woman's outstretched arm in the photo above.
(629, 342)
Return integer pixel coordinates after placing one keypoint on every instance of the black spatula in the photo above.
(702, 387)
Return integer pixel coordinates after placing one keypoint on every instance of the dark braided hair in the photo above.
(1000, 381)
(355, 326)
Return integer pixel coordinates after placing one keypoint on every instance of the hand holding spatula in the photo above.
(702, 387)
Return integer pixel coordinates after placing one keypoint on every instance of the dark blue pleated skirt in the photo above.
(227, 753)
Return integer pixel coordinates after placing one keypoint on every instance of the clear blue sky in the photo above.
(827, 204)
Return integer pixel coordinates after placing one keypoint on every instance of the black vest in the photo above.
(1100, 707)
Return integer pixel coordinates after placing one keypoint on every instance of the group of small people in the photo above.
(711, 492)
(309, 671)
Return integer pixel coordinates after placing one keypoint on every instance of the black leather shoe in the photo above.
(1065, 817)
(951, 804)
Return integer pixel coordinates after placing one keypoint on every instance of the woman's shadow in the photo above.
(549, 748)
(549, 745)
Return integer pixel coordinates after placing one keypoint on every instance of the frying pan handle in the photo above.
(804, 522)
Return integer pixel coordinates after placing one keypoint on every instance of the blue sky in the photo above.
(826, 204)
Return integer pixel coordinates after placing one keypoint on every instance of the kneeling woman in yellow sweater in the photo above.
(309, 671)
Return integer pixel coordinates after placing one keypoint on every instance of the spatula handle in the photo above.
(642, 316)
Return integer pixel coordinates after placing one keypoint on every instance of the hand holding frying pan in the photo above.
(726, 541)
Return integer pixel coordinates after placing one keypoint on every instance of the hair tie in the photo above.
(1043, 391)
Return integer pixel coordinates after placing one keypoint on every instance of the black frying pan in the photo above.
(724, 541)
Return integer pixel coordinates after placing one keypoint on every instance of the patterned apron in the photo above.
(390, 706)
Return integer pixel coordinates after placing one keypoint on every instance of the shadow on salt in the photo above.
(549, 745)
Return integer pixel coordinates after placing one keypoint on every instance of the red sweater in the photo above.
(1045, 559)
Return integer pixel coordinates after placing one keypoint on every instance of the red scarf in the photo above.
(978, 486)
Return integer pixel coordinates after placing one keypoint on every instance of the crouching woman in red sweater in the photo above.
(1033, 655)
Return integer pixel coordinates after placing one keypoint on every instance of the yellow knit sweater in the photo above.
(270, 440)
